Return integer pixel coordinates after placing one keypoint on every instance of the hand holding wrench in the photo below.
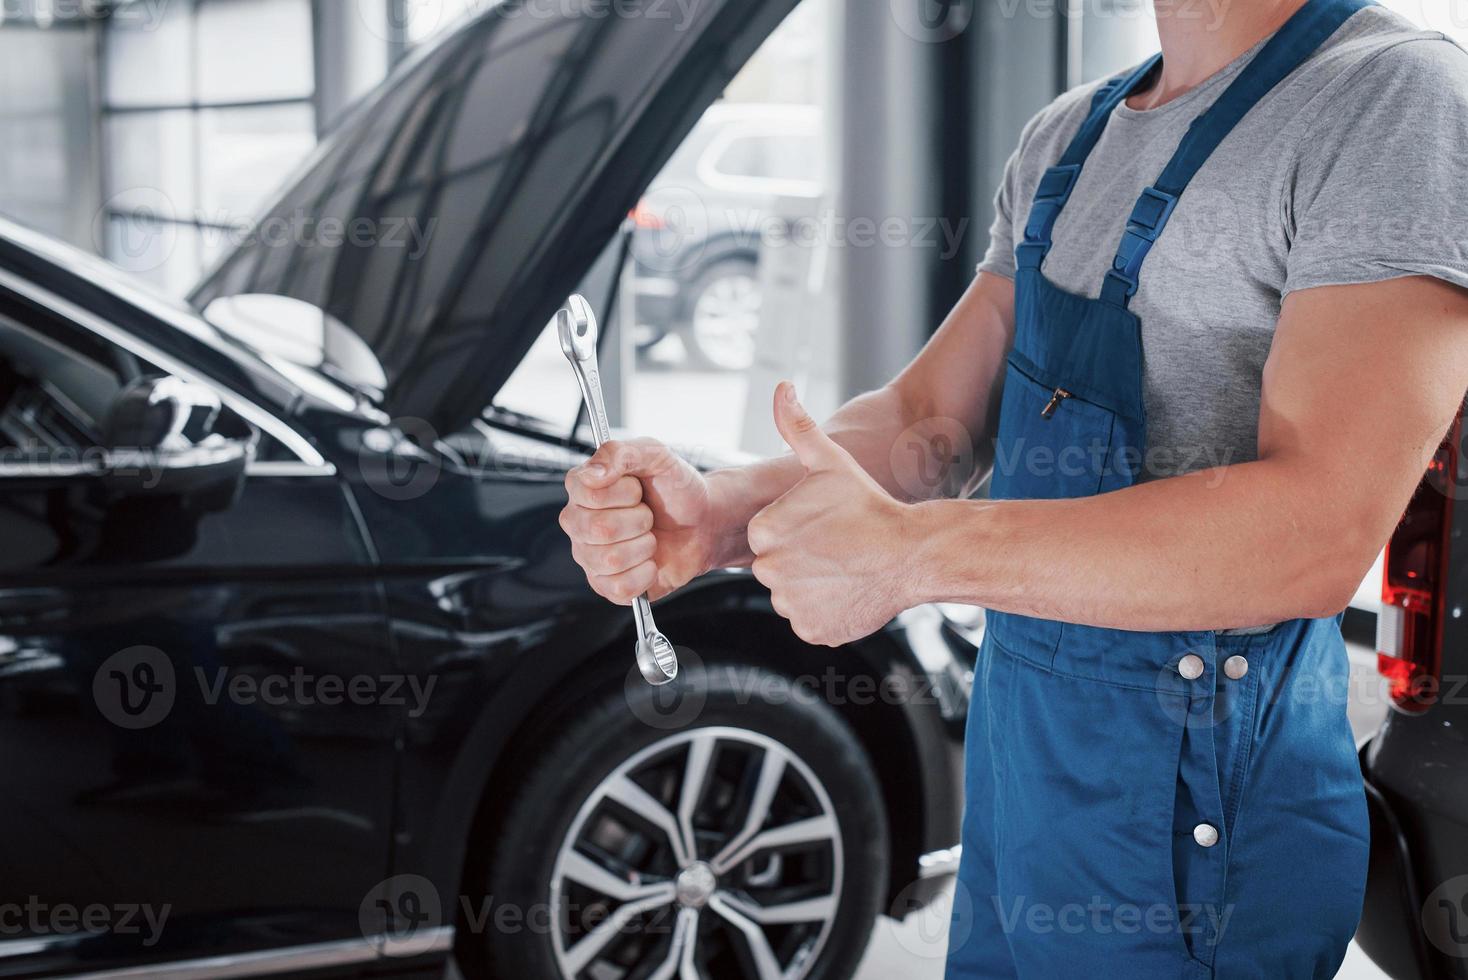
(576, 326)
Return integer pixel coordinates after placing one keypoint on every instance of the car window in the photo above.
(771, 162)
(59, 382)
(55, 388)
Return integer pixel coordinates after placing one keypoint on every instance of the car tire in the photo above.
(577, 806)
(722, 319)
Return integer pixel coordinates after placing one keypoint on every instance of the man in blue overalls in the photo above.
(1220, 330)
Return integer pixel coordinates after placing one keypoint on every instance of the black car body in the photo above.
(388, 530)
(1415, 921)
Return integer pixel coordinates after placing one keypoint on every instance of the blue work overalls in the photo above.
(1182, 804)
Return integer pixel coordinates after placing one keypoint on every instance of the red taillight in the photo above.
(1409, 626)
(645, 217)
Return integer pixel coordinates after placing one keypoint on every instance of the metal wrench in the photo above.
(576, 327)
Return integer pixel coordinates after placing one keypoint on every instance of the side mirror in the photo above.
(164, 438)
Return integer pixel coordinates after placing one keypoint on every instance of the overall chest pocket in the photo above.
(1053, 443)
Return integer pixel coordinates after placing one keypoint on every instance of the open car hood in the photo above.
(458, 204)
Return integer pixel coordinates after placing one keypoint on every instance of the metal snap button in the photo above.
(1235, 667)
(1205, 834)
(1191, 667)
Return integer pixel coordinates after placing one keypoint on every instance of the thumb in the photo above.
(812, 446)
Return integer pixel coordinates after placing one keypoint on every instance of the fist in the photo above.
(639, 519)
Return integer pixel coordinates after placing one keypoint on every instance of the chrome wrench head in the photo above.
(656, 658)
(576, 329)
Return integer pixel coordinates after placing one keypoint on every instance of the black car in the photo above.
(1415, 923)
(296, 670)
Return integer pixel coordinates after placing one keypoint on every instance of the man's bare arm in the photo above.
(1360, 386)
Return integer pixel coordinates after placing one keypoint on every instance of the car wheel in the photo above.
(750, 843)
(723, 315)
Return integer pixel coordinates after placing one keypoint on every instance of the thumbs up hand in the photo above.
(831, 549)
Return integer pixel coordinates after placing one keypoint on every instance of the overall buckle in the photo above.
(1149, 216)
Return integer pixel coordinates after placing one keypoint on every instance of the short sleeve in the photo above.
(1380, 188)
(999, 259)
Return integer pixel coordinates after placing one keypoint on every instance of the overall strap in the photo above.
(1296, 41)
(1058, 181)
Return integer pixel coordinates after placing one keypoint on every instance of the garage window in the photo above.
(207, 106)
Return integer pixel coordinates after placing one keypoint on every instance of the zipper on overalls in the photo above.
(1060, 395)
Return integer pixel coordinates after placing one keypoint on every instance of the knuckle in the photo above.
(758, 536)
(612, 559)
(599, 529)
(624, 493)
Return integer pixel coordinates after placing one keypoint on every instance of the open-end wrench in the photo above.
(576, 327)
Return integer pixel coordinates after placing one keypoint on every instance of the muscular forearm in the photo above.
(1240, 546)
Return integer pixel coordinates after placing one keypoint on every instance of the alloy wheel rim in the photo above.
(711, 851)
(726, 319)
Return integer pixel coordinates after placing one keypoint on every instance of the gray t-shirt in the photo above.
(1354, 169)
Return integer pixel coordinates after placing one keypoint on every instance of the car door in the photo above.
(194, 701)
